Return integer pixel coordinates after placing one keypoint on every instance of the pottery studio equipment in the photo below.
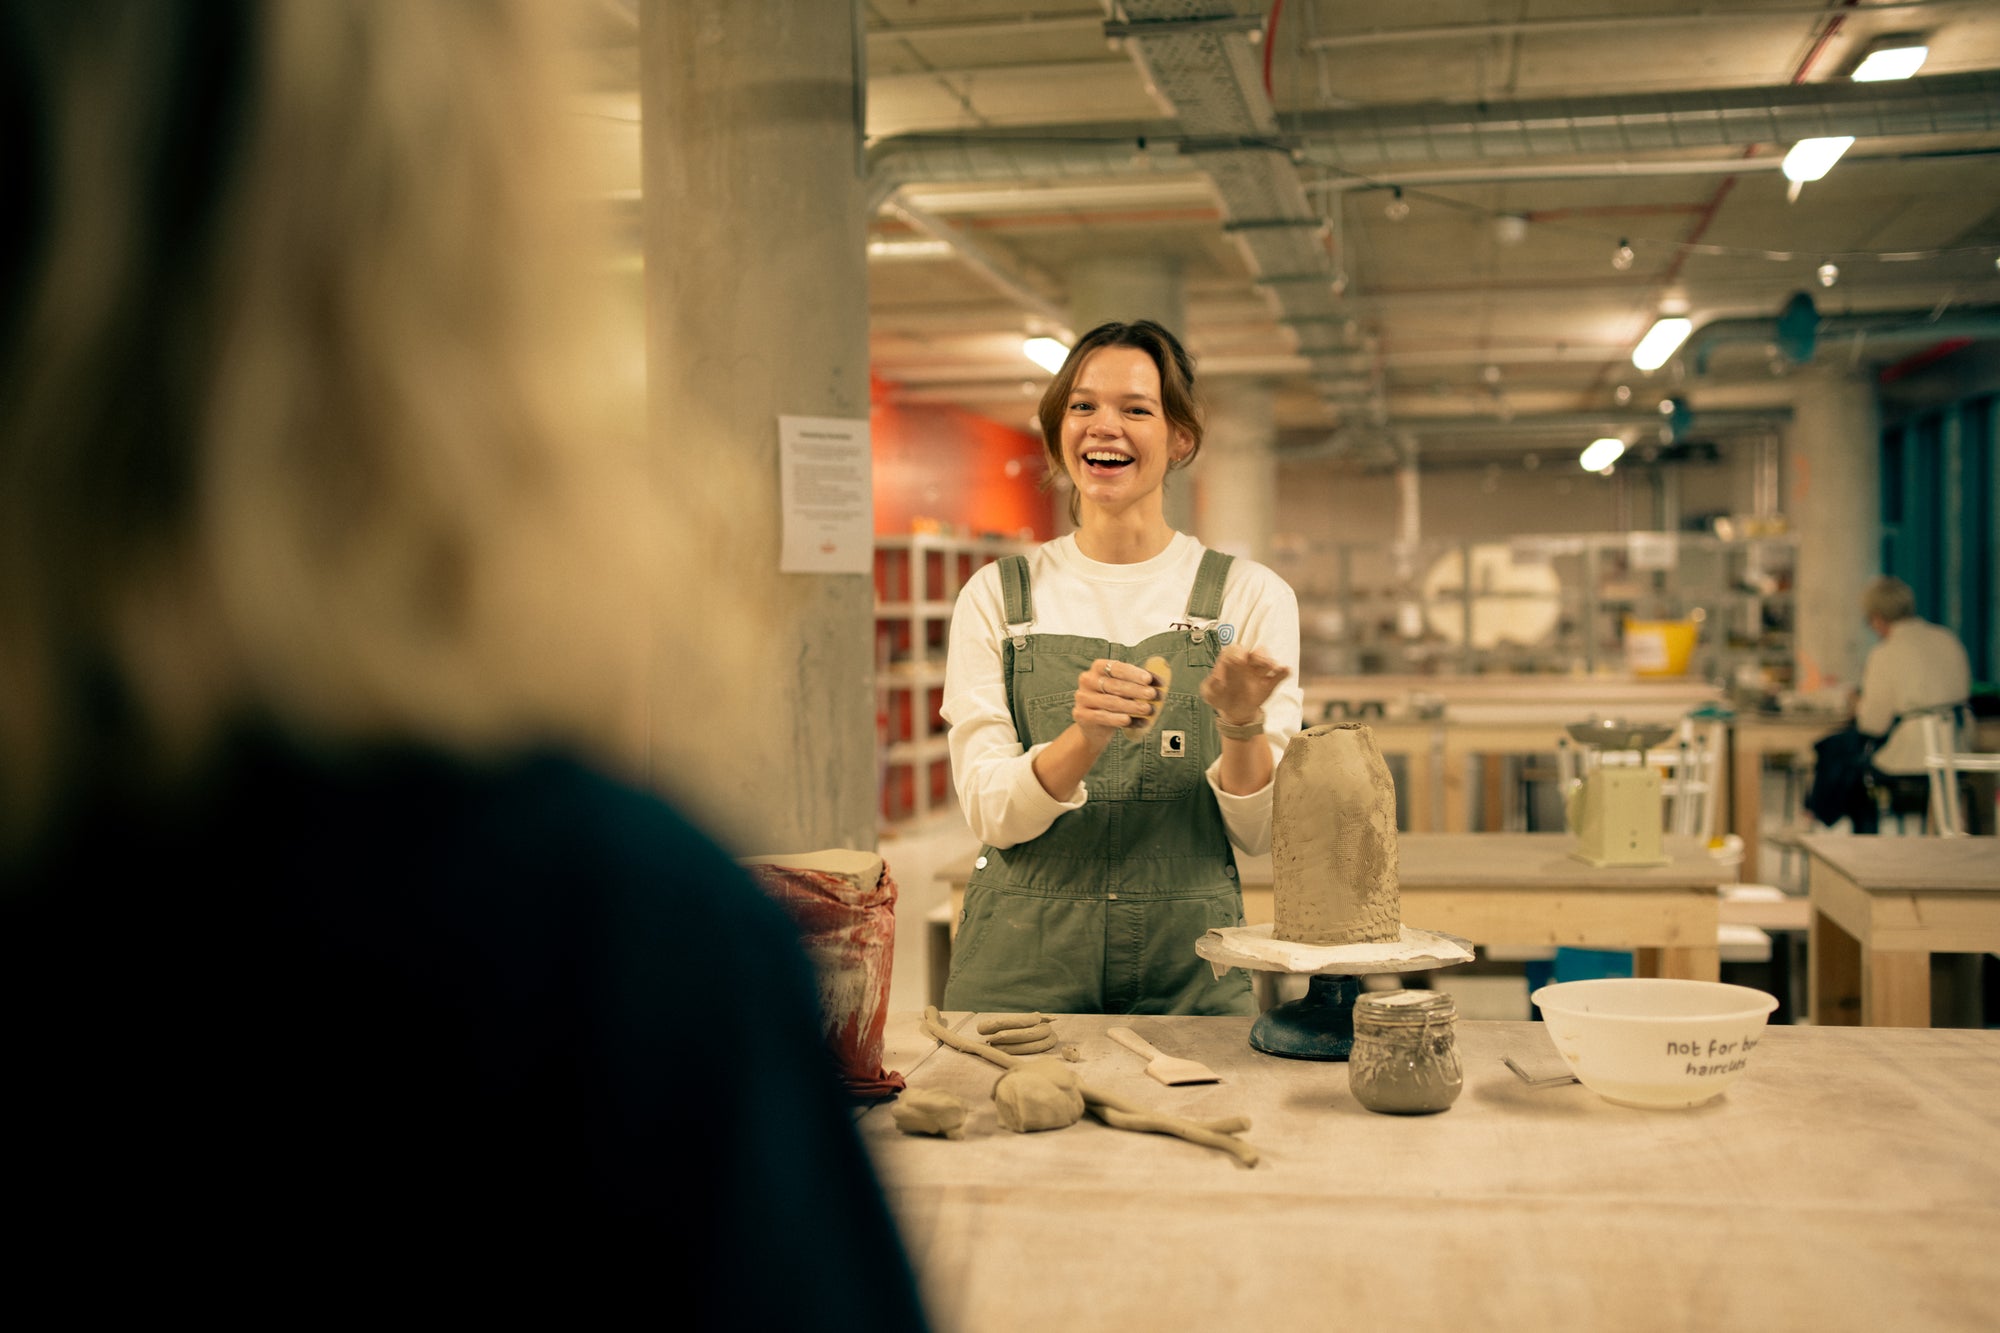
(1615, 809)
(1319, 1025)
(1337, 901)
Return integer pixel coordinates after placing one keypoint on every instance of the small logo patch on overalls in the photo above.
(1173, 744)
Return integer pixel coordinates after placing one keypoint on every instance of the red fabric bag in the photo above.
(844, 903)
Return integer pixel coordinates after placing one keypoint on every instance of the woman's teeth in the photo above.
(1098, 459)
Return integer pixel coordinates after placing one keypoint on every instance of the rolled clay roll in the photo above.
(1010, 1022)
(1333, 840)
(1041, 1094)
(1025, 1041)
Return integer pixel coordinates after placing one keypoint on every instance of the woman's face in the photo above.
(1116, 440)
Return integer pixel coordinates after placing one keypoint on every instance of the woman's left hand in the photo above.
(1239, 683)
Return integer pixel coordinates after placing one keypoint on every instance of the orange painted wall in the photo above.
(939, 465)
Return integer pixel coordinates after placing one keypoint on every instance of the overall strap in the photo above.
(1016, 656)
(1205, 602)
(1020, 601)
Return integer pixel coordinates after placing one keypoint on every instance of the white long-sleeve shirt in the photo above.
(1917, 665)
(1003, 799)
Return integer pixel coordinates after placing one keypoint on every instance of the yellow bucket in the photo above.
(1660, 647)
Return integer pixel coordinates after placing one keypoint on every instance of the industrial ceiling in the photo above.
(1435, 226)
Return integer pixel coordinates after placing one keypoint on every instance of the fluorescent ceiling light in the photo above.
(1602, 453)
(915, 248)
(1661, 341)
(1812, 158)
(1048, 353)
(1891, 62)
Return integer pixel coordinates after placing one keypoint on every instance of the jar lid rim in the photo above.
(1413, 1005)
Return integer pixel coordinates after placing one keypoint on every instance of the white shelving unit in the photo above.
(917, 581)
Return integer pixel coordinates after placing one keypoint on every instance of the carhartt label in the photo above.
(1173, 744)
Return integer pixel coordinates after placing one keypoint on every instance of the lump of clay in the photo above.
(1333, 840)
(1041, 1094)
(930, 1111)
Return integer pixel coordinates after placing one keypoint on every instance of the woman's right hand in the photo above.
(1111, 696)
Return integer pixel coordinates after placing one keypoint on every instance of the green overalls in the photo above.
(1101, 912)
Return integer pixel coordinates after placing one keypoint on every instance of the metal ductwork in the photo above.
(1198, 55)
(1091, 154)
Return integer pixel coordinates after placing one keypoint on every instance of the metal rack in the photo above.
(1363, 612)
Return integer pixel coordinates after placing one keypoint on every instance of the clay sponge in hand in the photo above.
(1163, 676)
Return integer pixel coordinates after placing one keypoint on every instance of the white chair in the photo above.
(1944, 762)
(1690, 770)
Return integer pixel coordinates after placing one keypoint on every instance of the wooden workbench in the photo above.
(1881, 907)
(1526, 889)
(1850, 1179)
(1753, 740)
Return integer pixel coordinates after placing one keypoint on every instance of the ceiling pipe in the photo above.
(1883, 327)
(982, 28)
(1091, 154)
(1560, 430)
(1410, 134)
(1706, 17)
(1017, 278)
(1651, 122)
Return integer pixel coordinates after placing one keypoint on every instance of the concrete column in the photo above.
(1236, 476)
(756, 291)
(1125, 288)
(1835, 507)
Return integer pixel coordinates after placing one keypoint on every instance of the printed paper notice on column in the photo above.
(828, 493)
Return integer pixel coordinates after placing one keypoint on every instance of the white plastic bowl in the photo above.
(1654, 1042)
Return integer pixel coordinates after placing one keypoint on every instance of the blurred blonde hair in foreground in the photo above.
(302, 412)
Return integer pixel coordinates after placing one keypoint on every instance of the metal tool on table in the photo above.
(1171, 1070)
(1615, 809)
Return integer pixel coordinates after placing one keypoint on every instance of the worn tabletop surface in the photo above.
(1849, 1179)
(1876, 863)
(1527, 861)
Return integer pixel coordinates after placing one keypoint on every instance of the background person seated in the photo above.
(1916, 666)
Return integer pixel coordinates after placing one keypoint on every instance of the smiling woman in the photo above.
(1108, 748)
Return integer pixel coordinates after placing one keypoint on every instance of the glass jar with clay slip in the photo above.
(1405, 1057)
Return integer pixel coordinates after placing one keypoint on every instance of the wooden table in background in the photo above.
(1753, 739)
(1526, 889)
(1848, 1180)
(1881, 907)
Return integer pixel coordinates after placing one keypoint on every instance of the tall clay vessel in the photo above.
(1333, 840)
